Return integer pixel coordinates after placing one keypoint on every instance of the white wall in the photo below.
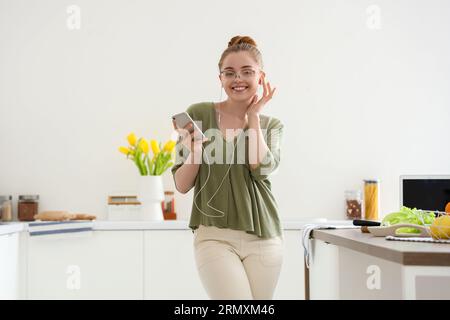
(356, 102)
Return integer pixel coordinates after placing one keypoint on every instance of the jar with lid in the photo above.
(27, 207)
(6, 208)
(168, 205)
(371, 199)
(353, 204)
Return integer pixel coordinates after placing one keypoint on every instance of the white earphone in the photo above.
(221, 182)
(207, 178)
(209, 174)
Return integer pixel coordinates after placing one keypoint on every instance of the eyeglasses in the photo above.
(246, 74)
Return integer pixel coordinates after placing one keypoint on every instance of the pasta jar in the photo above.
(27, 207)
(5, 208)
(371, 199)
(353, 204)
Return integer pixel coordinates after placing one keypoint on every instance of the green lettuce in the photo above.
(408, 215)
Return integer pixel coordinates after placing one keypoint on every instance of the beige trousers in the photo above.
(233, 264)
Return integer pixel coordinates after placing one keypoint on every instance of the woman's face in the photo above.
(240, 76)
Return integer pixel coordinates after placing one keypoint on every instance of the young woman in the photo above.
(238, 239)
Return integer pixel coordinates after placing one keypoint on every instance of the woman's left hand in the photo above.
(256, 106)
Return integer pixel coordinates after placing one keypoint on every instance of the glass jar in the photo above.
(27, 207)
(168, 205)
(371, 199)
(6, 208)
(353, 204)
(169, 201)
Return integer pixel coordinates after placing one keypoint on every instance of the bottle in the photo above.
(27, 207)
(371, 199)
(353, 204)
(6, 208)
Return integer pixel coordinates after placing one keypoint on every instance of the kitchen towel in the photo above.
(66, 228)
(417, 239)
(306, 237)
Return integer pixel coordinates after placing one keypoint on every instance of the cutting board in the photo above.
(391, 230)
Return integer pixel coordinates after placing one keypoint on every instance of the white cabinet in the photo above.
(341, 273)
(372, 278)
(324, 271)
(170, 270)
(291, 285)
(169, 266)
(9, 266)
(97, 265)
(131, 264)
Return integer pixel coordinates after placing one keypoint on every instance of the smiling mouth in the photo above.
(239, 88)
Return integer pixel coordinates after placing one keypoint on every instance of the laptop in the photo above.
(426, 192)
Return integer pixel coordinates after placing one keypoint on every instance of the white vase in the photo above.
(151, 194)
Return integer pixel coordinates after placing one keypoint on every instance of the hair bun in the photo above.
(241, 39)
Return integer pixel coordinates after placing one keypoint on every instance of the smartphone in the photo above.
(183, 118)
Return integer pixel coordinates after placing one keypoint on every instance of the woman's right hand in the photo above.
(190, 138)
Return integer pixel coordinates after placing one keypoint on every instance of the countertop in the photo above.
(405, 253)
(183, 224)
(104, 225)
(11, 227)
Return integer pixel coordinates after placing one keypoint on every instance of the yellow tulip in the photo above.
(143, 145)
(155, 147)
(169, 145)
(124, 150)
(132, 139)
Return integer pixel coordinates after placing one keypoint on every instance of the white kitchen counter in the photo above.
(146, 259)
(104, 225)
(183, 224)
(371, 268)
(11, 227)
